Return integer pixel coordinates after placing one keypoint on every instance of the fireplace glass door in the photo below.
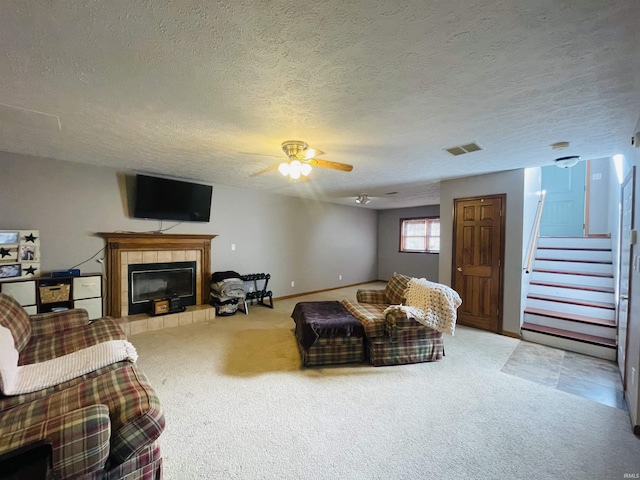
(154, 281)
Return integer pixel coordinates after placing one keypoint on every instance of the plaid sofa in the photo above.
(104, 424)
(393, 339)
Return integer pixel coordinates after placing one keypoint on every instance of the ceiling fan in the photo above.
(300, 160)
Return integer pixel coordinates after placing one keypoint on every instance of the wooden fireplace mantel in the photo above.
(140, 242)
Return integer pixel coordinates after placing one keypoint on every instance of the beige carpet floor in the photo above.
(239, 406)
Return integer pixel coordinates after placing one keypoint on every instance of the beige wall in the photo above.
(298, 240)
(390, 260)
(598, 198)
(511, 183)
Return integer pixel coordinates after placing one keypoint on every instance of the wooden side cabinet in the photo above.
(49, 294)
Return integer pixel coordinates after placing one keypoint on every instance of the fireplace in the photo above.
(124, 249)
(153, 281)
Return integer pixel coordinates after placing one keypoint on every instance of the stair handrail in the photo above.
(536, 231)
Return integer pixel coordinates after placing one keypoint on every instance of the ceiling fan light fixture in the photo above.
(283, 168)
(362, 199)
(300, 161)
(295, 168)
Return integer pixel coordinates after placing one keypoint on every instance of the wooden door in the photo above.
(478, 259)
(624, 270)
(563, 214)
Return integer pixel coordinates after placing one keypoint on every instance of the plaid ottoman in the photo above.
(327, 334)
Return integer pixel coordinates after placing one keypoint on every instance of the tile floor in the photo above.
(589, 377)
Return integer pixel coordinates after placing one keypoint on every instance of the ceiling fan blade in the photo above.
(311, 153)
(260, 154)
(265, 170)
(316, 162)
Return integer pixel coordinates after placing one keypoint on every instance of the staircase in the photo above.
(571, 297)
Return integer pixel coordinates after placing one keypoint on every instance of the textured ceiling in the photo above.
(208, 90)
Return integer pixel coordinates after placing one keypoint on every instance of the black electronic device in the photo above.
(167, 199)
(72, 272)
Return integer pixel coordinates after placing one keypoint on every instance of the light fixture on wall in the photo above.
(362, 199)
(567, 162)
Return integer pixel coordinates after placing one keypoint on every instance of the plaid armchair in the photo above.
(394, 338)
(104, 424)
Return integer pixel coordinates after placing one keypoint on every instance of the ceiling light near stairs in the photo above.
(567, 162)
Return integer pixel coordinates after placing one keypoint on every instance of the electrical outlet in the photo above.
(233, 246)
(339, 277)
(293, 284)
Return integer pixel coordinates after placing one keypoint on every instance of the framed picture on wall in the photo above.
(19, 254)
(12, 270)
(8, 237)
(29, 253)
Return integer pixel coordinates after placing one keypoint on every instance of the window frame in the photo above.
(401, 236)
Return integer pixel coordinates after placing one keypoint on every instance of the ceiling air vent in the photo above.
(462, 149)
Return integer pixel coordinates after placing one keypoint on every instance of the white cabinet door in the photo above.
(93, 306)
(87, 287)
(31, 309)
(23, 292)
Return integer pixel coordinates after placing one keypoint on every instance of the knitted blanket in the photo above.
(16, 380)
(434, 305)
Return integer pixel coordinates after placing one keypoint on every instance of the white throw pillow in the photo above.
(8, 361)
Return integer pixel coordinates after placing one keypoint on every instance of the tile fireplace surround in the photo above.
(135, 248)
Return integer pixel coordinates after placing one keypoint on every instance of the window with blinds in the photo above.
(420, 235)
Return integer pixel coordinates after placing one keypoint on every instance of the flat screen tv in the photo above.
(167, 199)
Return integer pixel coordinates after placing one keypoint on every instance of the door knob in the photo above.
(459, 269)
